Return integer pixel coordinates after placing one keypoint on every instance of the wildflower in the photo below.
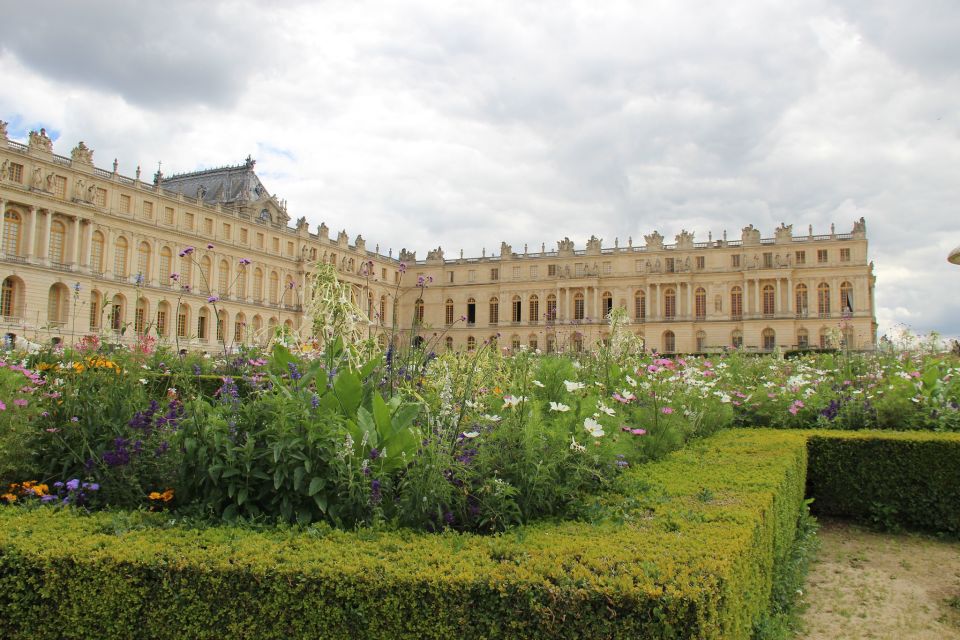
(573, 386)
(593, 427)
(20, 402)
(244, 262)
(491, 418)
(512, 401)
(186, 252)
(72, 485)
(175, 277)
(213, 299)
(624, 398)
(537, 383)
(666, 410)
(605, 409)
(631, 381)
(638, 432)
(559, 406)
(470, 434)
(576, 446)
(209, 246)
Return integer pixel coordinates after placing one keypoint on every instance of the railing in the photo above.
(61, 266)
(17, 259)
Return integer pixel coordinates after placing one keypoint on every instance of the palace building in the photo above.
(208, 257)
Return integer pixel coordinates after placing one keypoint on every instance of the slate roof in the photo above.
(237, 183)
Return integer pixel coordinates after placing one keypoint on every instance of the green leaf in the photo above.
(241, 496)
(315, 485)
(298, 475)
(321, 501)
(349, 391)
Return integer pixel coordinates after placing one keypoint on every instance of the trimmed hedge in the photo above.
(889, 479)
(685, 548)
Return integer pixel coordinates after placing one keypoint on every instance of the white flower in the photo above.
(487, 416)
(593, 427)
(573, 386)
(576, 446)
(143, 381)
(631, 381)
(512, 401)
(605, 409)
(558, 406)
(539, 384)
(576, 364)
(471, 434)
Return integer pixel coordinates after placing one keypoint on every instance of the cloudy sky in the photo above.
(436, 122)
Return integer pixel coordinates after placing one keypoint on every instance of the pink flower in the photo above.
(20, 402)
(3, 407)
(638, 432)
(666, 410)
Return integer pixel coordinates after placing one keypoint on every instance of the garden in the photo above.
(329, 488)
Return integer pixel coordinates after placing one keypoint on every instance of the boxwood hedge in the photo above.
(683, 548)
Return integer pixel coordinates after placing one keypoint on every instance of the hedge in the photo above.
(685, 548)
(890, 479)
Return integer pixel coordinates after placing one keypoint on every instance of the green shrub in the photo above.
(908, 479)
(686, 547)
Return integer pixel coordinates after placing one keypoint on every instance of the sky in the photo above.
(425, 123)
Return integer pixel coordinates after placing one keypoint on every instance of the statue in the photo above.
(138, 173)
(116, 165)
(82, 154)
(3, 130)
(38, 178)
(40, 141)
(50, 179)
(79, 190)
(654, 241)
(92, 192)
(201, 192)
(4, 169)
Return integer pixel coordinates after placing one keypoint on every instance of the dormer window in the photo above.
(264, 215)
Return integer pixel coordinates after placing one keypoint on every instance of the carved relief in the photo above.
(408, 256)
(435, 255)
(593, 245)
(684, 240)
(750, 236)
(654, 241)
(82, 154)
(565, 245)
(506, 250)
(40, 141)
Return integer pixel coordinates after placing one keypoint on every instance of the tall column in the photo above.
(109, 253)
(596, 305)
(689, 311)
(87, 241)
(45, 239)
(154, 262)
(779, 302)
(77, 242)
(790, 296)
(31, 229)
(3, 222)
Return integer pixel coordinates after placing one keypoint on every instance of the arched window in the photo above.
(183, 321)
(669, 342)
(419, 310)
(120, 257)
(10, 298)
(578, 306)
(240, 285)
(846, 297)
(166, 265)
(551, 308)
(118, 312)
(515, 343)
(769, 300)
(257, 326)
(534, 309)
(701, 341)
(274, 287)
(516, 309)
(205, 278)
(383, 309)
(606, 303)
(143, 261)
(669, 304)
(736, 339)
(222, 320)
(258, 285)
(57, 301)
(96, 252)
(223, 278)
(471, 343)
(203, 323)
(823, 300)
(640, 306)
(551, 343)
(448, 312)
(825, 341)
(186, 271)
(532, 341)
(11, 233)
(58, 234)
(801, 300)
(163, 319)
(769, 338)
(239, 327)
(449, 343)
(471, 311)
(96, 308)
(803, 339)
(577, 342)
(140, 316)
(700, 304)
(736, 303)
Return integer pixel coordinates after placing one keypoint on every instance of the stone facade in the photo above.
(87, 250)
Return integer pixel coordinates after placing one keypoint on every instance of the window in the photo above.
(238, 326)
(494, 274)
(668, 265)
(606, 303)
(227, 231)
(578, 306)
(736, 339)
(162, 322)
(471, 311)
(532, 341)
(448, 313)
(124, 203)
(260, 245)
(258, 285)
(534, 308)
(208, 226)
(276, 245)
(700, 304)
(101, 198)
(11, 233)
(551, 270)
(240, 285)
(551, 343)
(186, 272)
(223, 277)
(168, 215)
(803, 339)
(95, 309)
(669, 342)
(769, 338)
(140, 317)
(578, 269)
(8, 298)
(15, 172)
(607, 268)
(846, 297)
(383, 308)
(736, 303)
(148, 210)
(206, 280)
(701, 262)
(494, 310)
(202, 324)
(768, 300)
(701, 341)
(188, 221)
(638, 266)
(735, 261)
(450, 276)
(143, 260)
(120, 257)
(418, 310)
(243, 236)
(57, 235)
(768, 260)
(289, 248)
(640, 306)
(117, 313)
(471, 343)
(96, 252)
(551, 308)
(821, 256)
(844, 255)
(59, 186)
(801, 257)
(183, 318)
(801, 300)
(669, 304)
(472, 275)
(516, 309)
(57, 304)
(533, 271)
(823, 300)
(221, 321)
(516, 273)
(515, 343)
(274, 288)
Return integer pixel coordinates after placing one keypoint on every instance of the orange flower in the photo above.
(9, 497)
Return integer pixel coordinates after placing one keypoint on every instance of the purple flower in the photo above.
(186, 252)
(72, 485)
(209, 246)
(244, 262)
(375, 491)
(374, 453)
(175, 277)
(403, 267)
(213, 299)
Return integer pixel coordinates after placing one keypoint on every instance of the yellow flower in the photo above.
(9, 497)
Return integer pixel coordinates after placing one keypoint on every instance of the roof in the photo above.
(237, 183)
